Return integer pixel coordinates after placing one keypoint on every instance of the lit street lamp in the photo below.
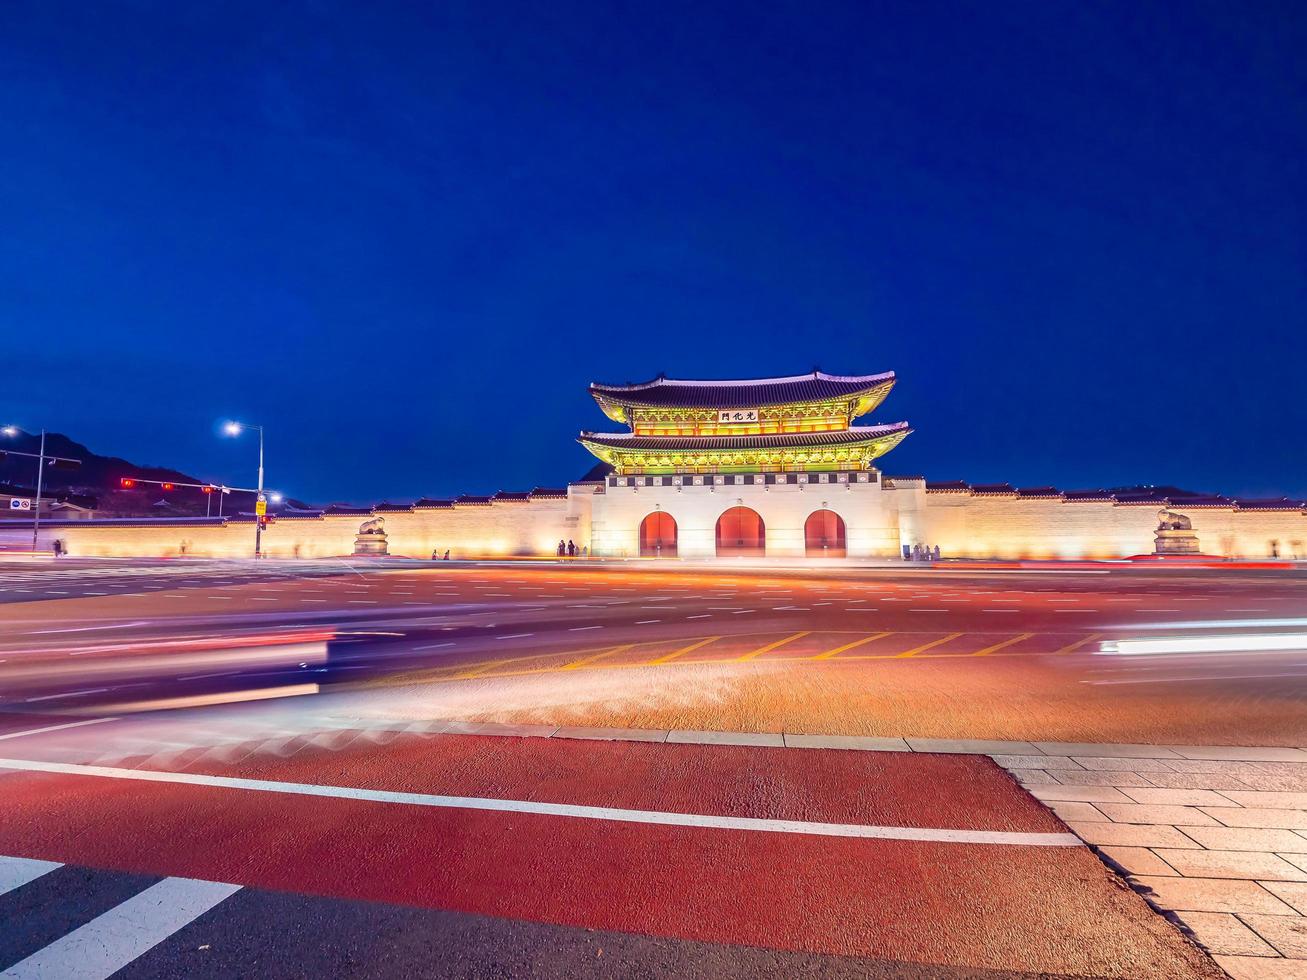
(234, 428)
(11, 430)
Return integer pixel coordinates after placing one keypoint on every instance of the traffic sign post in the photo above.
(18, 503)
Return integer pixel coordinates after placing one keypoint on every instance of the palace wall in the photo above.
(968, 525)
(880, 515)
(497, 528)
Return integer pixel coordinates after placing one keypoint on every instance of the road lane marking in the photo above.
(513, 636)
(752, 654)
(1079, 643)
(926, 646)
(55, 728)
(15, 872)
(683, 650)
(849, 646)
(999, 646)
(665, 818)
(578, 629)
(126, 932)
(586, 661)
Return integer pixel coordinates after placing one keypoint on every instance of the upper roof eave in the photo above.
(663, 392)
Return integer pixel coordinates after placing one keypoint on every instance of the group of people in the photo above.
(435, 555)
(920, 553)
(567, 549)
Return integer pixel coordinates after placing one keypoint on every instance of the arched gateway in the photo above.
(823, 535)
(741, 534)
(658, 536)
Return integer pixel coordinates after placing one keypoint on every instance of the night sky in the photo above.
(406, 236)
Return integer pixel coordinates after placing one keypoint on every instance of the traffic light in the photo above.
(168, 486)
(126, 484)
(209, 489)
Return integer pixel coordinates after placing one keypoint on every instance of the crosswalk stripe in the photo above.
(15, 872)
(110, 941)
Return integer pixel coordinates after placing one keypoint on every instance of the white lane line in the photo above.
(110, 941)
(700, 616)
(435, 646)
(577, 629)
(711, 821)
(55, 728)
(513, 636)
(646, 622)
(1000, 610)
(16, 872)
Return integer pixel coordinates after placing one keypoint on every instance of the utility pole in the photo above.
(40, 473)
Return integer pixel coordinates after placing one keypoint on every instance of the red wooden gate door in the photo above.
(741, 533)
(658, 536)
(823, 535)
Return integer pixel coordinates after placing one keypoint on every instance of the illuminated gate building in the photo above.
(773, 466)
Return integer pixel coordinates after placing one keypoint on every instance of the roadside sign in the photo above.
(19, 503)
(260, 507)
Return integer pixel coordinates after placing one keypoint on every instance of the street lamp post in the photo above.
(234, 429)
(10, 430)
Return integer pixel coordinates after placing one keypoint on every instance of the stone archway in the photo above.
(741, 533)
(658, 536)
(824, 535)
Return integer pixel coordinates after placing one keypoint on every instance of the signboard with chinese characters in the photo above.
(738, 416)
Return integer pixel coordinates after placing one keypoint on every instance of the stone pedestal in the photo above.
(370, 544)
(1175, 542)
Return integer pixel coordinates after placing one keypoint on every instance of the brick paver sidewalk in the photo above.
(1215, 838)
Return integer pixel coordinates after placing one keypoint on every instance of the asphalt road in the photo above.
(206, 748)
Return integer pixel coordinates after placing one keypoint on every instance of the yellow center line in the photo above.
(772, 646)
(1079, 643)
(586, 661)
(849, 646)
(926, 646)
(999, 646)
(690, 649)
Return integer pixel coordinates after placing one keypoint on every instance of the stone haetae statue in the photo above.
(371, 538)
(1174, 535)
(1170, 521)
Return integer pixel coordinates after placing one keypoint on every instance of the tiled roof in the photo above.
(428, 503)
(514, 496)
(786, 440)
(336, 510)
(1207, 500)
(663, 392)
(549, 493)
(468, 498)
(1277, 503)
(1039, 493)
(947, 486)
(392, 508)
(994, 489)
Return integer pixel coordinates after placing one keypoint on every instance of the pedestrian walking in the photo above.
(571, 548)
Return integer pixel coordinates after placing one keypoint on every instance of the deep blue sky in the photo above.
(405, 236)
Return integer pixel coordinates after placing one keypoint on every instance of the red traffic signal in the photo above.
(168, 486)
(209, 489)
(127, 484)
